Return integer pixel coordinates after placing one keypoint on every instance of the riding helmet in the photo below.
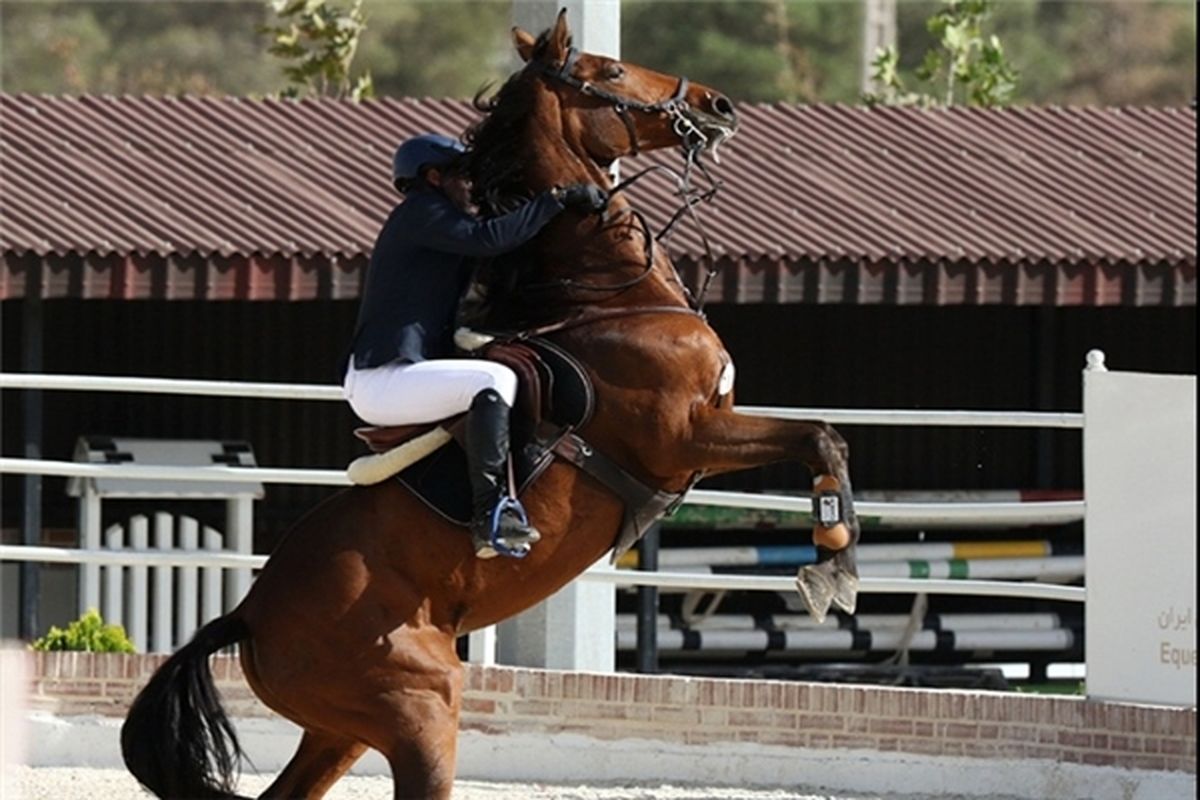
(421, 152)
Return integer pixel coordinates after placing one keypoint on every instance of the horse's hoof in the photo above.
(816, 589)
(845, 597)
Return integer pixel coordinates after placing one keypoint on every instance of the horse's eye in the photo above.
(614, 72)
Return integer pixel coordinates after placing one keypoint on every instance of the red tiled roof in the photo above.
(234, 198)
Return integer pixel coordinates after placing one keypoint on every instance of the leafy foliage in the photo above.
(1109, 52)
(756, 50)
(65, 46)
(442, 49)
(318, 42)
(88, 633)
(970, 64)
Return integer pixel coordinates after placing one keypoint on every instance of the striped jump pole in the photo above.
(1055, 569)
(800, 622)
(797, 555)
(672, 641)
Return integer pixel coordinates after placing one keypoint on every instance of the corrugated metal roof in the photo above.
(222, 198)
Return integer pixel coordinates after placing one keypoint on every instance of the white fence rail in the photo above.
(311, 391)
(925, 515)
(622, 577)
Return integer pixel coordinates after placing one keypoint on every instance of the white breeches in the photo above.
(408, 394)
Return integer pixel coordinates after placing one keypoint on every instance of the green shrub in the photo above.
(87, 633)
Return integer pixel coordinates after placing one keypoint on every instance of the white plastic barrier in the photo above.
(1140, 481)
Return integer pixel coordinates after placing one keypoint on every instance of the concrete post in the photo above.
(595, 24)
(878, 32)
(574, 629)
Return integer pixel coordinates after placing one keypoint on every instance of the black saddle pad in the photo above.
(440, 479)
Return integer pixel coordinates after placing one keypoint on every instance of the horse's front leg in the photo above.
(723, 441)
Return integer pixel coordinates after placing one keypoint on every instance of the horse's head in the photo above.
(610, 109)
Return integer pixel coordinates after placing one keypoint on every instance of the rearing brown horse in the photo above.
(349, 631)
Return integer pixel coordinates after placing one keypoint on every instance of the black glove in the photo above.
(586, 197)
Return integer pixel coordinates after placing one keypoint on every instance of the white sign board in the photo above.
(1139, 449)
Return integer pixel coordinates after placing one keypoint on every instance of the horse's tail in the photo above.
(177, 740)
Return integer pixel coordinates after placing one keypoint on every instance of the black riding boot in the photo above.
(499, 524)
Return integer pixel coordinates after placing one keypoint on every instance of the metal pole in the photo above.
(647, 604)
(32, 330)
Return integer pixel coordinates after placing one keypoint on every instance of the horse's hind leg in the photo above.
(319, 761)
(415, 717)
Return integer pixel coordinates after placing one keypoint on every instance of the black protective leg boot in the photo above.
(498, 524)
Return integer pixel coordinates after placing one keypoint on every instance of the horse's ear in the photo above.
(559, 40)
(524, 42)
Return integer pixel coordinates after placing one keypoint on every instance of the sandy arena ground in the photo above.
(63, 783)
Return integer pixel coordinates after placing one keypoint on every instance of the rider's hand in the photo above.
(585, 197)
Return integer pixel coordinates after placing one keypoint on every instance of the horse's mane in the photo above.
(494, 160)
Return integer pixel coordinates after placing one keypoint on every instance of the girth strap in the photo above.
(643, 505)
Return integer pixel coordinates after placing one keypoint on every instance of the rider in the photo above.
(400, 369)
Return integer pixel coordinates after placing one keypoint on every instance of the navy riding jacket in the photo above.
(420, 267)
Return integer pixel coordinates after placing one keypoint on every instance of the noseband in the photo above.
(675, 106)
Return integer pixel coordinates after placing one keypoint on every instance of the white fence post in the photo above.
(139, 539)
(187, 585)
(239, 525)
(481, 646)
(210, 579)
(89, 539)
(112, 578)
(164, 602)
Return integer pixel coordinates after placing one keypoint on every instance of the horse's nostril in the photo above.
(724, 106)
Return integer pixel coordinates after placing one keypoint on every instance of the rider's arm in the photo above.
(442, 226)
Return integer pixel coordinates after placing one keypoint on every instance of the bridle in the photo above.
(675, 106)
(692, 141)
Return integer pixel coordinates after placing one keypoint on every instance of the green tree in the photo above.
(164, 47)
(1126, 53)
(443, 49)
(756, 50)
(318, 40)
(966, 66)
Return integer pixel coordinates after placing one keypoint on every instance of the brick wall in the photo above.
(679, 710)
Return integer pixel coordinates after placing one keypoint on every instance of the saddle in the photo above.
(554, 396)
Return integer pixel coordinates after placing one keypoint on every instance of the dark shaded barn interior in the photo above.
(821, 356)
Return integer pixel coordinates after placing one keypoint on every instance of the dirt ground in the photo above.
(63, 783)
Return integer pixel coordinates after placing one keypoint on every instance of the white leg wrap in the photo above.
(372, 469)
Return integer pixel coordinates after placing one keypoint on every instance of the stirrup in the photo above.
(494, 544)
